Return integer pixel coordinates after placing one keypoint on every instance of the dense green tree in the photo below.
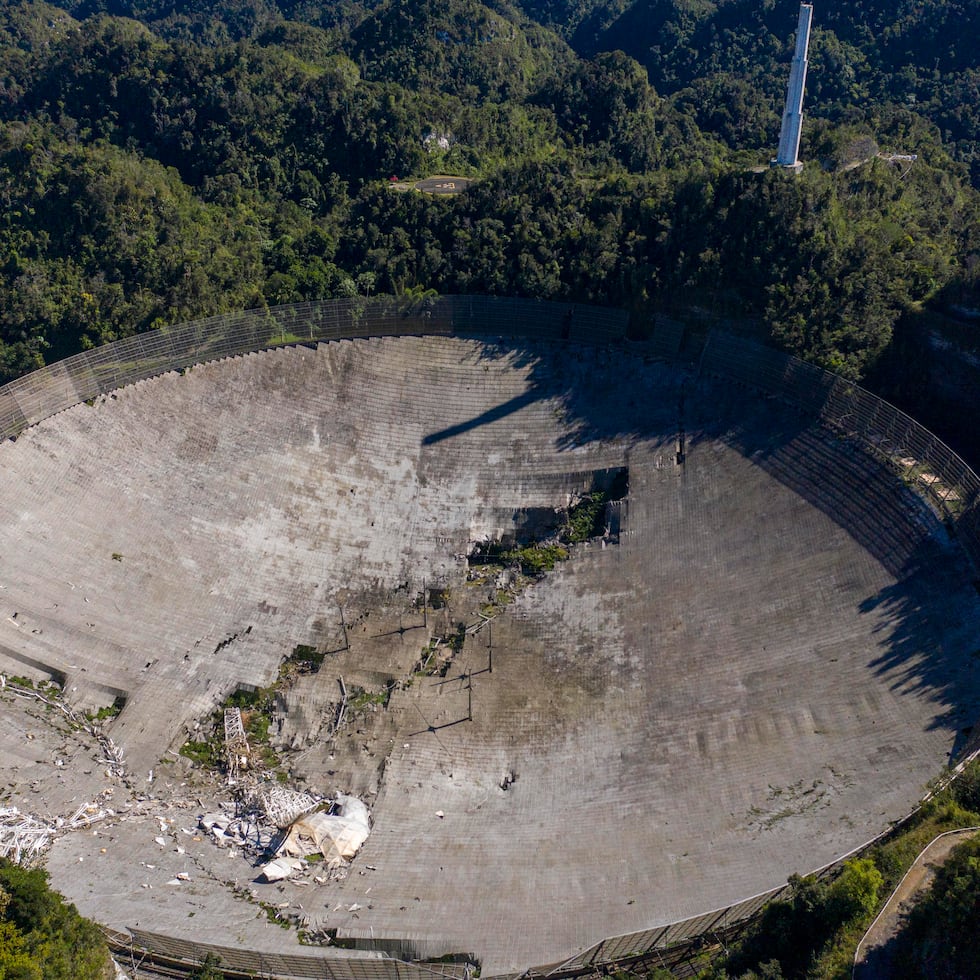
(854, 893)
(43, 937)
(100, 243)
(464, 47)
(185, 158)
(965, 789)
(940, 937)
(790, 932)
(608, 103)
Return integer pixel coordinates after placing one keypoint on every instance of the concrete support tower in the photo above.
(789, 137)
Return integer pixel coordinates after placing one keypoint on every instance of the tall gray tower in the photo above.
(789, 137)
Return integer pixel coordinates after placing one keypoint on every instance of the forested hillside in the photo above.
(166, 159)
(43, 938)
(725, 54)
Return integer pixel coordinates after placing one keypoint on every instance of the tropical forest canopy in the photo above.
(168, 159)
(42, 937)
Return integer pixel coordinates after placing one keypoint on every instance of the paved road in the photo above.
(874, 957)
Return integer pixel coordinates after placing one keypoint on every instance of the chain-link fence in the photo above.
(677, 945)
(85, 376)
(143, 948)
(921, 459)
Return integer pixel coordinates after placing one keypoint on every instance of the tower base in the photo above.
(793, 168)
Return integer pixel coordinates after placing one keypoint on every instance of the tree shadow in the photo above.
(595, 392)
(930, 616)
(929, 629)
(879, 962)
(931, 642)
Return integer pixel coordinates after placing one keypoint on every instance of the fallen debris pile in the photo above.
(337, 836)
(112, 754)
(23, 838)
(282, 806)
(293, 828)
(245, 830)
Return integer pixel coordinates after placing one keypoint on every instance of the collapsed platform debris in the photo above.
(24, 839)
(337, 836)
(291, 826)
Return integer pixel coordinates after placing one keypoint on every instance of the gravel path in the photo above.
(875, 954)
